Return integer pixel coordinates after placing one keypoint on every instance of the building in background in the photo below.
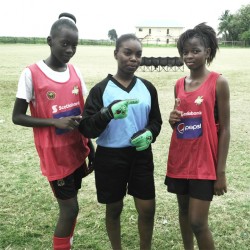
(159, 32)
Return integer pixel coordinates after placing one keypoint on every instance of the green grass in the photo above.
(28, 209)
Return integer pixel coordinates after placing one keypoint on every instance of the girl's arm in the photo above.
(19, 117)
(222, 96)
(175, 114)
(155, 120)
(93, 121)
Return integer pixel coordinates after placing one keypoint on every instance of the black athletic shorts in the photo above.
(68, 187)
(119, 171)
(198, 189)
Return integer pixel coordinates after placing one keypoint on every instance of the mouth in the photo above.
(189, 63)
(67, 57)
(133, 67)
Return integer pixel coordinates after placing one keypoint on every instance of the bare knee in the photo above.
(145, 208)
(69, 209)
(147, 213)
(74, 210)
(198, 226)
(198, 216)
(113, 210)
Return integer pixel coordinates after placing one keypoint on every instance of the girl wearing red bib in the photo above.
(54, 91)
(200, 140)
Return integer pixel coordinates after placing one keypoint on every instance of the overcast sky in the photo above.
(96, 17)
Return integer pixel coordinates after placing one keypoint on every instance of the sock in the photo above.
(61, 243)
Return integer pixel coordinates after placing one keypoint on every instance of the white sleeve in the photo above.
(84, 88)
(25, 86)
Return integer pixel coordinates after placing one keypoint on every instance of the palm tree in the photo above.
(224, 25)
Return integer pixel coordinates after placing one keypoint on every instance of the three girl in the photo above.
(122, 112)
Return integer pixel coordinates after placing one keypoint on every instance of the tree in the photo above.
(235, 27)
(245, 36)
(112, 35)
(242, 18)
(224, 25)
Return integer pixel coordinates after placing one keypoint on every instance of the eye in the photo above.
(139, 54)
(127, 52)
(74, 46)
(64, 44)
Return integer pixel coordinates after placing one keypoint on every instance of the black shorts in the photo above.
(68, 187)
(123, 170)
(198, 189)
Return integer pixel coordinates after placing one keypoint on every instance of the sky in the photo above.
(32, 18)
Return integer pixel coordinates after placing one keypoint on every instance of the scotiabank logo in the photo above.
(189, 128)
(56, 108)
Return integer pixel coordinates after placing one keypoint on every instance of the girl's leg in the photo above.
(198, 214)
(113, 227)
(67, 216)
(186, 231)
(146, 212)
(68, 211)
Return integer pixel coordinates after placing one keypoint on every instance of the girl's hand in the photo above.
(220, 185)
(175, 115)
(70, 122)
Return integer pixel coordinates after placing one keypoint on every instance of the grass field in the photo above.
(28, 209)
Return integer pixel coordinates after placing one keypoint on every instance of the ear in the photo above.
(208, 51)
(115, 54)
(49, 41)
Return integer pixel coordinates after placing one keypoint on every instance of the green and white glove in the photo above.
(141, 139)
(118, 109)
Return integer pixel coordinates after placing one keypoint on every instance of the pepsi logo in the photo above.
(181, 128)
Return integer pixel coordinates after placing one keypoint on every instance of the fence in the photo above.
(234, 43)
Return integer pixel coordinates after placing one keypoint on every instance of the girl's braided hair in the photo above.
(207, 36)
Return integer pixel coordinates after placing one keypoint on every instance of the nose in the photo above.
(133, 57)
(70, 50)
(189, 54)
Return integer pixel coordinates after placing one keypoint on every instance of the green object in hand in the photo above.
(142, 139)
(119, 109)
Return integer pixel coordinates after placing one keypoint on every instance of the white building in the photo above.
(159, 32)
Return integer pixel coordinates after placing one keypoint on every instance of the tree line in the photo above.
(232, 27)
(43, 40)
(235, 27)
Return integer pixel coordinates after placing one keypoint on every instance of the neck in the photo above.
(196, 74)
(56, 66)
(124, 80)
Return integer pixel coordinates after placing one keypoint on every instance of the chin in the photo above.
(132, 70)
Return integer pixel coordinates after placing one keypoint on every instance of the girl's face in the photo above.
(194, 53)
(63, 45)
(128, 56)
